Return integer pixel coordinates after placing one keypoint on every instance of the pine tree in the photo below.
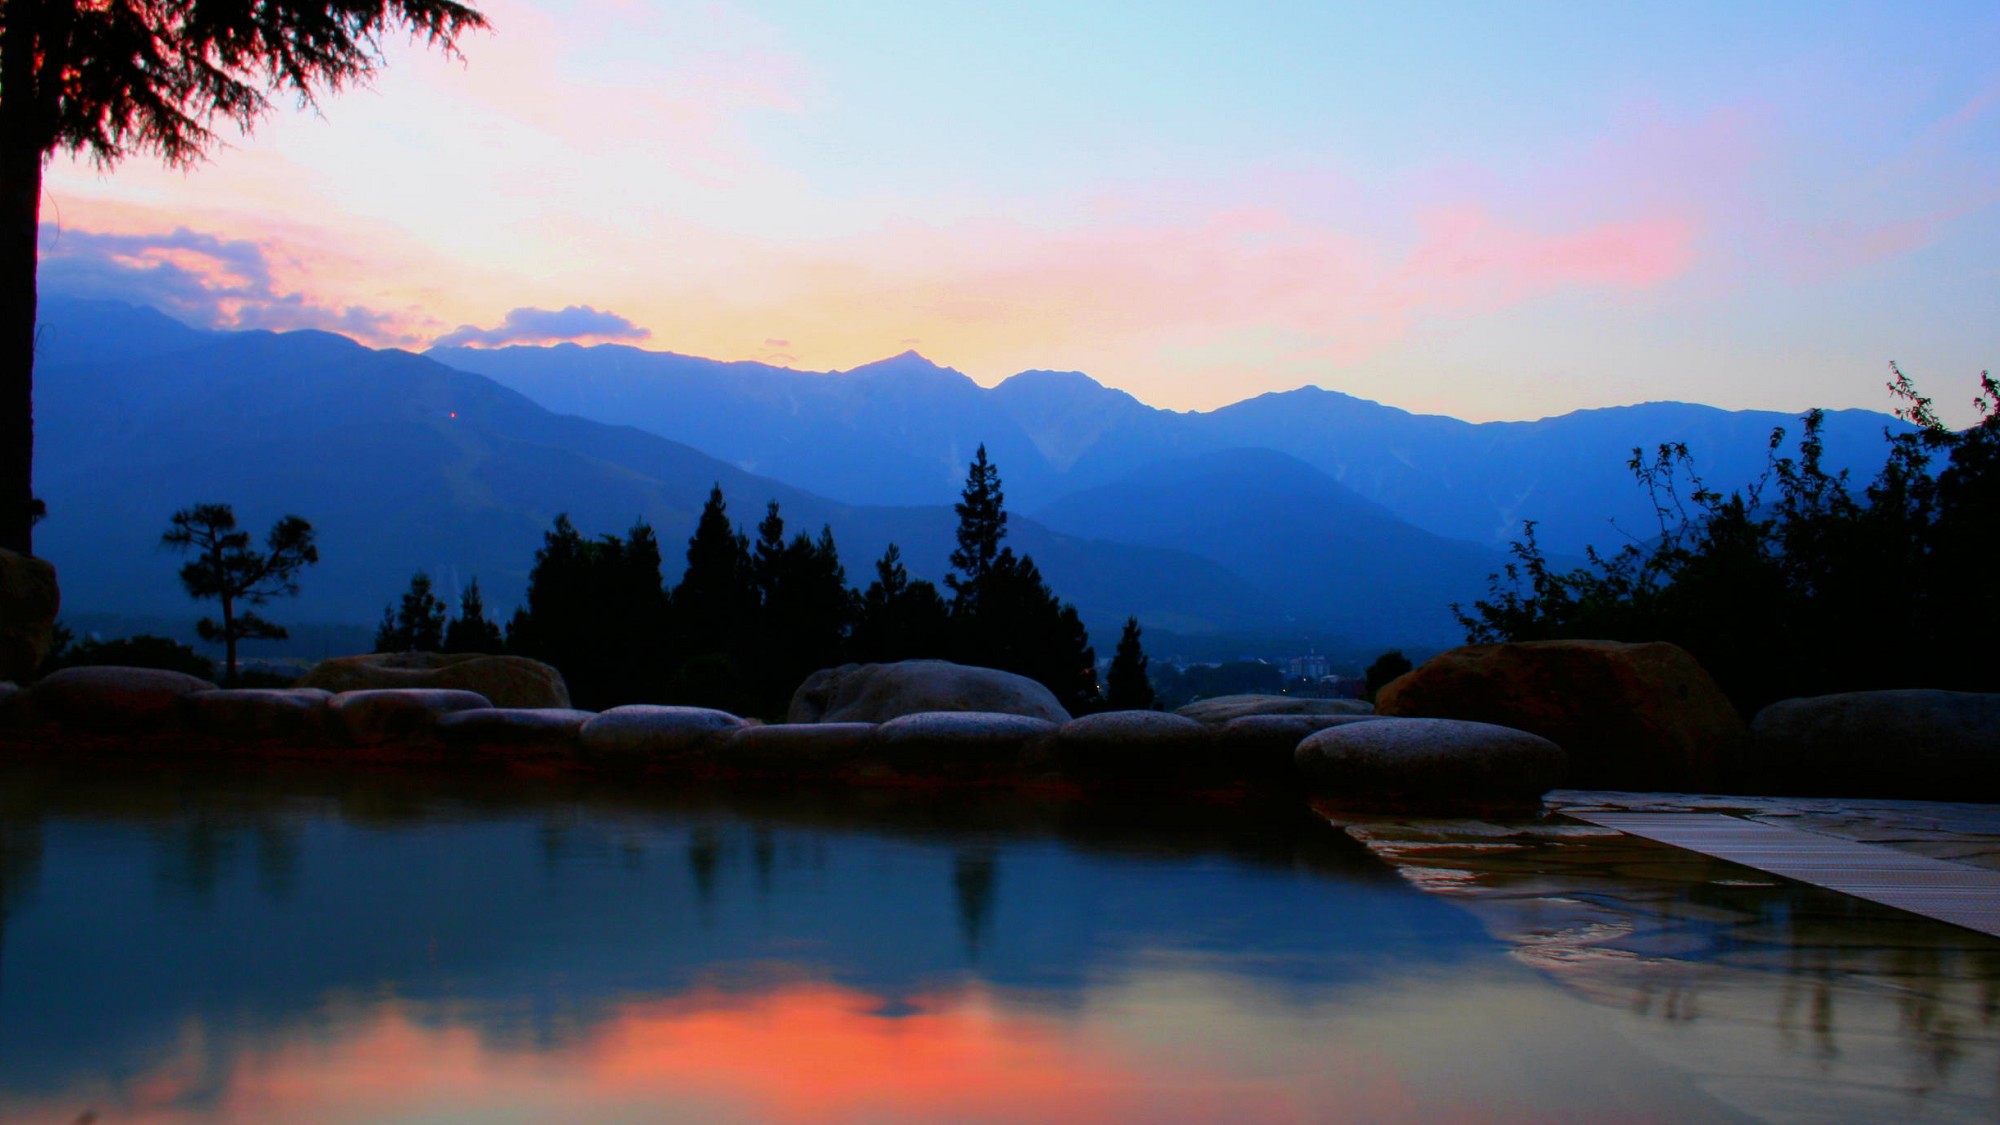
(597, 611)
(899, 618)
(228, 569)
(415, 626)
(472, 630)
(1127, 687)
(982, 524)
(717, 596)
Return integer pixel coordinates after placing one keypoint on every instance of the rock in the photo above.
(509, 681)
(1259, 748)
(1133, 746)
(1223, 708)
(803, 749)
(29, 600)
(259, 714)
(390, 715)
(549, 730)
(876, 693)
(115, 700)
(13, 709)
(947, 743)
(1630, 716)
(642, 732)
(1431, 764)
(1914, 743)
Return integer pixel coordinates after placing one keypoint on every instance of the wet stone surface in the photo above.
(1790, 1003)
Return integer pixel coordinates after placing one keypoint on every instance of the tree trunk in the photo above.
(228, 640)
(20, 218)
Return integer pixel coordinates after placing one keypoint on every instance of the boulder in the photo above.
(13, 709)
(546, 730)
(1134, 746)
(948, 743)
(1223, 708)
(259, 714)
(1916, 743)
(643, 732)
(114, 700)
(29, 600)
(1630, 716)
(1259, 748)
(1428, 764)
(381, 716)
(876, 693)
(803, 749)
(509, 681)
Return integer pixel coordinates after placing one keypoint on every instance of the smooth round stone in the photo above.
(1910, 742)
(644, 732)
(13, 708)
(385, 715)
(1260, 748)
(800, 748)
(1131, 745)
(549, 729)
(1444, 763)
(509, 681)
(116, 700)
(957, 741)
(257, 714)
(876, 693)
(1223, 708)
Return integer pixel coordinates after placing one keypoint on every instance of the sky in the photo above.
(1492, 211)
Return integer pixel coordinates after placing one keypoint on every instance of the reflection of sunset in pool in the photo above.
(388, 957)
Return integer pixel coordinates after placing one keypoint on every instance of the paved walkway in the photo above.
(1957, 893)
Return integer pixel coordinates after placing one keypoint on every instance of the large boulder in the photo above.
(1428, 764)
(1260, 748)
(29, 600)
(1223, 708)
(387, 716)
(259, 714)
(1133, 746)
(1630, 716)
(514, 731)
(640, 733)
(800, 749)
(876, 693)
(509, 681)
(114, 700)
(963, 743)
(1916, 743)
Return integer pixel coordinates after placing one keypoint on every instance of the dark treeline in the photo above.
(1796, 585)
(751, 618)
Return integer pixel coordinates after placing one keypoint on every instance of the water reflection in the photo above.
(309, 947)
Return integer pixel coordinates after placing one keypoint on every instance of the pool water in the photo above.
(301, 947)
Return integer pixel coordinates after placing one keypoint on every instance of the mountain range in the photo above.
(1308, 517)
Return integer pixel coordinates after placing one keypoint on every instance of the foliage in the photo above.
(900, 618)
(1003, 615)
(597, 611)
(110, 79)
(142, 651)
(804, 613)
(472, 630)
(228, 569)
(1794, 585)
(415, 626)
(1387, 667)
(1127, 686)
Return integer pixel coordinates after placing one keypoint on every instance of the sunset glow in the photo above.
(1495, 215)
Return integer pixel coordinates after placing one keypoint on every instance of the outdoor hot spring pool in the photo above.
(300, 947)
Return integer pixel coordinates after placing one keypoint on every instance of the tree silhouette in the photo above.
(900, 618)
(417, 625)
(982, 524)
(1387, 667)
(226, 568)
(472, 630)
(111, 79)
(598, 612)
(1127, 687)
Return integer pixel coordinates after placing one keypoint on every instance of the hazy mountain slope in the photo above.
(403, 463)
(898, 432)
(895, 432)
(1333, 557)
